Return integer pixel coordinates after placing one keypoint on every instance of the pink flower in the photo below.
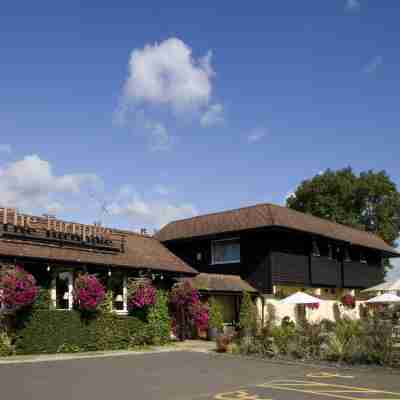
(88, 292)
(17, 289)
(142, 295)
(185, 296)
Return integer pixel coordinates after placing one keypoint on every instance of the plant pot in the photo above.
(212, 333)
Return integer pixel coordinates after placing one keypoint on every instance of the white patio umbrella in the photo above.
(384, 298)
(300, 298)
(385, 287)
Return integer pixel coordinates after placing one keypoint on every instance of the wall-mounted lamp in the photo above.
(119, 298)
(109, 272)
(315, 249)
(362, 258)
(330, 255)
(48, 269)
(346, 255)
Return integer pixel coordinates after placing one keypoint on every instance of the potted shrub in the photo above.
(215, 320)
(247, 317)
(223, 341)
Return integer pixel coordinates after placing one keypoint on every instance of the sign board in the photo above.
(50, 230)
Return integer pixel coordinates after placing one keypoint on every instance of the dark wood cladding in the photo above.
(282, 257)
(361, 275)
(325, 272)
(255, 261)
(290, 269)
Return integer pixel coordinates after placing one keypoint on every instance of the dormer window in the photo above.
(225, 251)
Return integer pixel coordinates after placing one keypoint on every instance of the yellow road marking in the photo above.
(330, 390)
(319, 375)
(238, 395)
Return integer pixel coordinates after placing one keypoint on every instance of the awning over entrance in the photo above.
(221, 283)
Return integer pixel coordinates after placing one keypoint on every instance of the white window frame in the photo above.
(124, 310)
(53, 291)
(213, 262)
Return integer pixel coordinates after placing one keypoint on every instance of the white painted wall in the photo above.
(325, 310)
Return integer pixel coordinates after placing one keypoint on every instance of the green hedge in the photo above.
(52, 331)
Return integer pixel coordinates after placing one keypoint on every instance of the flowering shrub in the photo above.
(142, 295)
(312, 306)
(188, 312)
(17, 289)
(348, 301)
(88, 292)
(200, 316)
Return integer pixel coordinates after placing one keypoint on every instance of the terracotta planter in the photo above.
(212, 333)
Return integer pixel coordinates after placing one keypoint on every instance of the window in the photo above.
(225, 251)
(118, 286)
(62, 291)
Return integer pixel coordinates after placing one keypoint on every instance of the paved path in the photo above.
(188, 375)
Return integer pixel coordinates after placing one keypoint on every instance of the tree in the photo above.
(368, 201)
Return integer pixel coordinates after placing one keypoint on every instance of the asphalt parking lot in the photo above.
(189, 375)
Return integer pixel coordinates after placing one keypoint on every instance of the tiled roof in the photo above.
(140, 252)
(269, 215)
(221, 283)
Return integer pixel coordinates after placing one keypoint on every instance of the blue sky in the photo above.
(160, 112)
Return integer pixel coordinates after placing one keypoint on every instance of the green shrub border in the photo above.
(53, 331)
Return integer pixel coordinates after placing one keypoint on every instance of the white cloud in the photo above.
(213, 115)
(30, 183)
(166, 84)
(5, 148)
(256, 135)
(371, 66)
(159, 138)
(166, 73)
(352, 6)
(151, 213)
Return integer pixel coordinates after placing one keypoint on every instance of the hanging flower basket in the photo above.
(17, 289)
(141, 295)
(88, 293)
(348, 301)
(312, 306)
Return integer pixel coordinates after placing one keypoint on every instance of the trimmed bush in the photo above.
(6, 348)
(247, 315)
(215, 319)
(50, 331)
(159, 320)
